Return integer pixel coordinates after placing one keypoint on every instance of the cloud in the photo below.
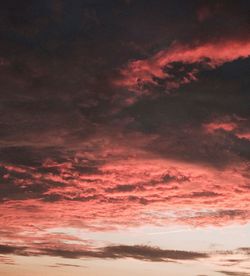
(115, 193)
(234, 273)
(147, 253)
(246, 250)
(139, 252)
(67, 265)
(8, 249)
(163, 68)
(235, 125)
(80, 151)
(6, 260)
(211, 127)
(152, 253)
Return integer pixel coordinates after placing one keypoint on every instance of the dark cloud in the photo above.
(151, 253)
(234, 273)
(245, 250)
(56, 79)
(122, 188)
(205, 194)
(139, 252)
(67, 265)
(9, 249)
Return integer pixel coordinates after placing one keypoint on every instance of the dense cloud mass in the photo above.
(118, 114)
(139, 252)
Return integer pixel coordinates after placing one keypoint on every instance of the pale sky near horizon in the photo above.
(220, 242)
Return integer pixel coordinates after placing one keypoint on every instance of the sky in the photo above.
(125, 137)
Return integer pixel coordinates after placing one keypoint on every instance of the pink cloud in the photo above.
(209, 55)
(236, 126)
(227, 126)
(244, 135)
(119, 183)
(129, 192)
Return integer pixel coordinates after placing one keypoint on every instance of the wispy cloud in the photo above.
(180, 64)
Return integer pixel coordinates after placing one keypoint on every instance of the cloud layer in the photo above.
(118, 115)
(180, 64)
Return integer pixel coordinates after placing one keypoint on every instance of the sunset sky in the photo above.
(125, 138)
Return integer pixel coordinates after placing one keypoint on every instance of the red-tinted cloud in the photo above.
(234, 125)
(140, 73)
(124, 191)
(211, 127)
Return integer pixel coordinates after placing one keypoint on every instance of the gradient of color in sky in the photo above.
(125, 137)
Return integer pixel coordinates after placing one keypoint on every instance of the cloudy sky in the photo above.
(125, 137)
